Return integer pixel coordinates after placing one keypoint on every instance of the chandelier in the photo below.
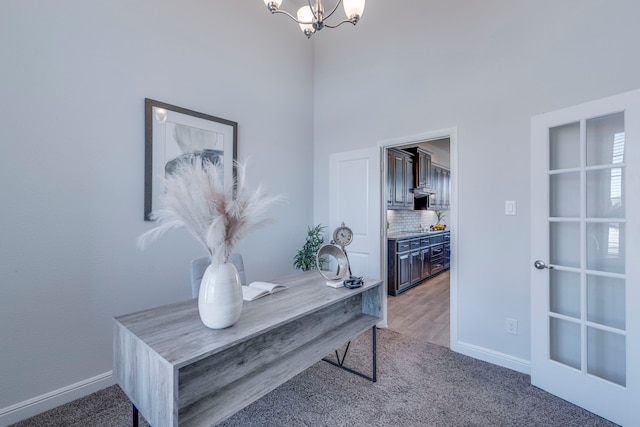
(311, 18)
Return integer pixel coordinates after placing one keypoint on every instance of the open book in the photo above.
(256, 290)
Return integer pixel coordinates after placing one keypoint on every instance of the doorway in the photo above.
(423, 312)
(426, 309)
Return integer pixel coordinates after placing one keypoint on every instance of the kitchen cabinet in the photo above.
(404, 264)
(422, 174)
(403, 276)
(399, 265)
(425, 258)
(416, 263)
(447, 250)
(412, 260)
(442, 188)
(399, 179)
(436, 256)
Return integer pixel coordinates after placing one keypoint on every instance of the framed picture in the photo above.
(173, 134)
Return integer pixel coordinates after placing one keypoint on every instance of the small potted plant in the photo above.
(305, 259)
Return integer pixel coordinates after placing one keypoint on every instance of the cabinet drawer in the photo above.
(424, 242)
(415, 244)
(437, 251)
(438, 238)
(403, 245)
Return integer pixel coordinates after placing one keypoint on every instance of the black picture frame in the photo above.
(173, 132)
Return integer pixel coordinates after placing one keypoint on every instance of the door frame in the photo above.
(452, 134)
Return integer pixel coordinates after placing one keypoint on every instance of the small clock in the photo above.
(342, 235)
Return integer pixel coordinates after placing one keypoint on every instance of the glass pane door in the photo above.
(585, 327)
(587, 283)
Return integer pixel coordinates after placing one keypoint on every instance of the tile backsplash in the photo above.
(401, 220)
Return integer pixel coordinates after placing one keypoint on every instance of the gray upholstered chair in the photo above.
(199, 265)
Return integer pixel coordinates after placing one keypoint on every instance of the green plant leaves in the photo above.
(305, 259)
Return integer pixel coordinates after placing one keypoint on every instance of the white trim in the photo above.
(495, 357)
(383, 235)
(452, 134)
(420, 137)
(453, 218)
(34, 406)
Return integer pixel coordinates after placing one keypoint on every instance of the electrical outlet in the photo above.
(512, 326)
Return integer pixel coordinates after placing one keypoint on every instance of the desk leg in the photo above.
(374, 352)
(340, 363)
(135, 415)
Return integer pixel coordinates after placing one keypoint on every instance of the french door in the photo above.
(585, 250)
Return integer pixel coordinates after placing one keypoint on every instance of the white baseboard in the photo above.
(28, 408)
(491, 356)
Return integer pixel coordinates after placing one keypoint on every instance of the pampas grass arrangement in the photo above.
(218, 214)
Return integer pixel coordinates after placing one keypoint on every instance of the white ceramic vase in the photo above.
(220, 297)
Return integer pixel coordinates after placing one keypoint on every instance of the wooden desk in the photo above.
(176, 371)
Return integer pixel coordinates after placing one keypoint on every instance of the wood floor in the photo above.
(423, 311)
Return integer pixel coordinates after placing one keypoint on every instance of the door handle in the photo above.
(540, 265)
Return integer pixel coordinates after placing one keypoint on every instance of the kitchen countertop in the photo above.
(412, 234)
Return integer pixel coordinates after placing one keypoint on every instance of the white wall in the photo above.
(73, 80)
(486, 67)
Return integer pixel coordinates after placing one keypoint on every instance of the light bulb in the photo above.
(276, 3)
(353, 8)
(305, 16)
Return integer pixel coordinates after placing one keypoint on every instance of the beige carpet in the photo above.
(419, 384)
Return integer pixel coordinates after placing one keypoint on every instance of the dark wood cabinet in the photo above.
(442, 188)
(402, 265)
(447, 250)
(425, 258)
(415, 259)
(416, 266)
(399, 180)
(422, 174)
(436, 201)
(446, 188)
(403, 262)
(437, 258)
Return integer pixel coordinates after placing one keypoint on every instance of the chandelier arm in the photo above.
(313, 12)
(284, 12)
(332, 12)
(340, 23)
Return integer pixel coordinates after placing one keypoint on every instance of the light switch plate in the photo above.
(510, 207)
